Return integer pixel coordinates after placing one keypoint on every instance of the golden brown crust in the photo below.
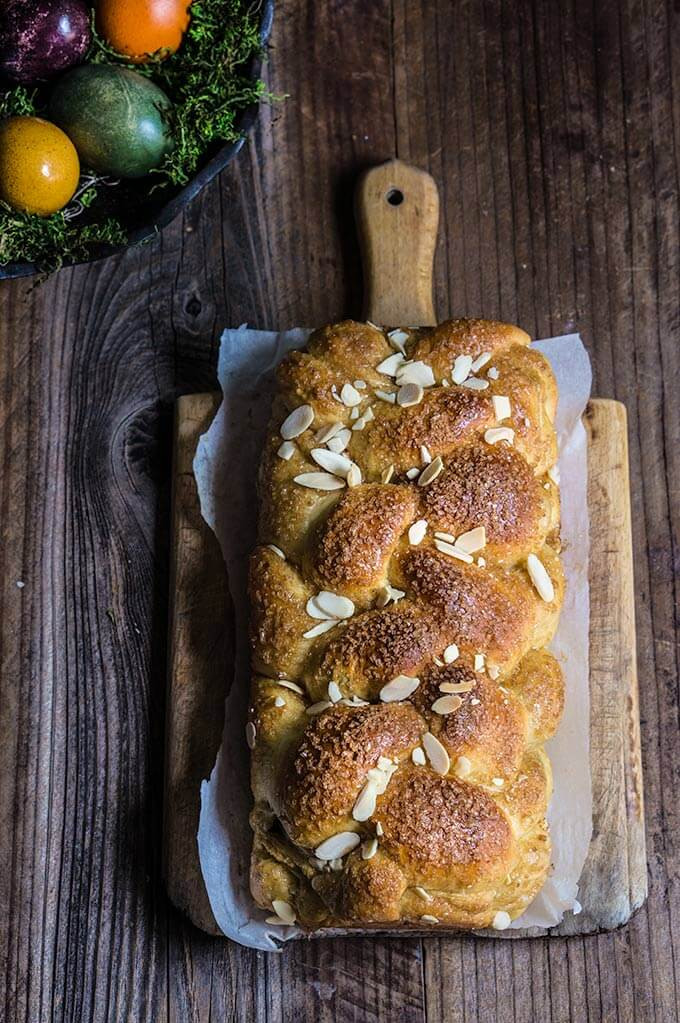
(357, 539)
(330, 764)
(376, 647)
(402, 779)
(494, 487)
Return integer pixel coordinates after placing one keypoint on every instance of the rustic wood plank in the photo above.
(553, 131)
(200, 662)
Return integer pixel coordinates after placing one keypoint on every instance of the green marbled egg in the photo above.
(116, 119)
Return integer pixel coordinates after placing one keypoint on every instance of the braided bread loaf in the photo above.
(407, 582)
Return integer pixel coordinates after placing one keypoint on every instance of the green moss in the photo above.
(206, 82)
(51, 241)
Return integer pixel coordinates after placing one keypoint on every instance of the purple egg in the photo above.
(39, 38)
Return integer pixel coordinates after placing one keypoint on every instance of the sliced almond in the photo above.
(540, 578)
(314, 611)
(318, 708)
(462, 767)
(391, 364)
(333, 605)
(480, 662)
(388, 593)
(430, 472)
(453, 551)
(498, 782)
(475, 384)
(492, 373)
(279, 701)
(360, 423)
(354, 702)
(415, 373)
(410, 394)
(398, 339)
(480, 361)
(319, 481)
(277, 550)
(436, 753)
(416, 532)
(457, 687)
(446, 704)
(326, 432)
(354, 476)
(339, 441)
(400, 688)
(299, 420)
(287, 684)
(418, 756)
(354, 413)
(412, 473)
(481, 562)
(387, 474)
(493, 671)
(251, 735)
(369, 414)
(449, 537)
(425, 455)
(334, 694)
(284, 910)
(286, 450)
(389, 396)
(285, 914)
(364, 807)
(428, 919)
(423, 894)
(337, 845)
(501, 920)
(461, 368)
(379, 829)
(360, 385)
(451, 653)
(338, 464)
(501, 407)
(369, 848)
(472, 541)
(349, 395)
(318, 630)
(499, 433)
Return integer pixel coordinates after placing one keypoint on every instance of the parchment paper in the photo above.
(225, 466)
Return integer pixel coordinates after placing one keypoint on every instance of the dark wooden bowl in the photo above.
(144, 212)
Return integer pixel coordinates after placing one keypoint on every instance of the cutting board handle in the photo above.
(397, 214)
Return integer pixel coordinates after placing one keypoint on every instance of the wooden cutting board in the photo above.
(396, 203)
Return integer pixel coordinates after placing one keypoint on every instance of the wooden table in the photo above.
(554, 135)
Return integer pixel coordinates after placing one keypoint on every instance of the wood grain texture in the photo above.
(553, 131)
(614, 880)
(200, 664)
(397, 216)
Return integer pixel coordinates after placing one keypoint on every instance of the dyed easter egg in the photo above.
(39, 38)
(39, 167)
(117, 120)
(140, 28)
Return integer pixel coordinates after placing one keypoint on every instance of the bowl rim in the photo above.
(174, 206)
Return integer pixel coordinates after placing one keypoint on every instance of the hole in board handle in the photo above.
(395, 197)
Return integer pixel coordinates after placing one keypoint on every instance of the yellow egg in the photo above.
(39, 166)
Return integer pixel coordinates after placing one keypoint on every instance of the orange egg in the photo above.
(140, 28)
(39, 166)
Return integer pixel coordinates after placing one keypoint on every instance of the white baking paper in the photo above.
(225, 466)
